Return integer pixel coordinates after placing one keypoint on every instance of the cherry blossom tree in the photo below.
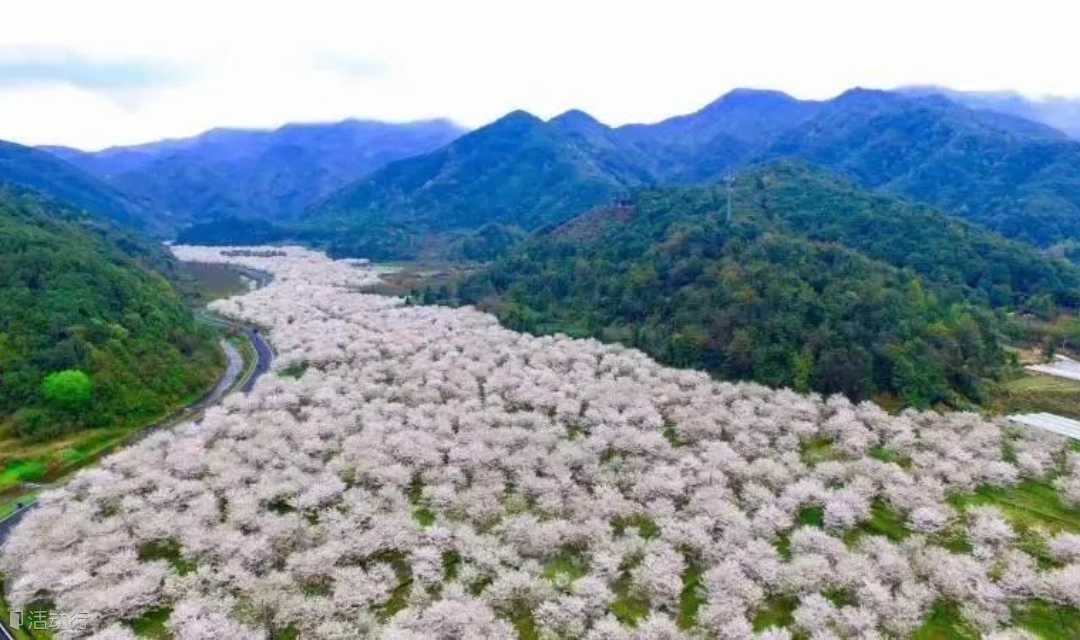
(434, 475)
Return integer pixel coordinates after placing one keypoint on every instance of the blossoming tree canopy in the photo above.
(429, 474)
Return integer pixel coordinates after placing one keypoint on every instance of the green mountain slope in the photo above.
(727, 133)
(260, 174)
(78, 295)
(813, 284)
(1014, 176)
(34, 169)
(1059, 112)
(517, 171)
(964, 258)
(1017, 177)
(523, 172)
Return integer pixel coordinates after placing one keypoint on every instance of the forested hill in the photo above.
(254, 173)
(519, 171)
(1008, 174)
(1061, 113)
(34, 169)
(962, 258)
(813, 284)
(89, 335)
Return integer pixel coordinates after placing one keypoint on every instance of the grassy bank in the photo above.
(25, 463)
(1034, 392)
(214, 281)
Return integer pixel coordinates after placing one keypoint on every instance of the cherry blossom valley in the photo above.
(419, 472)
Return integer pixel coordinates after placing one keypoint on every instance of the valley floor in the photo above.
(415, 472)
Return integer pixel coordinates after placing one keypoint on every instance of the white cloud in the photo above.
(44, 66)
(262, 64)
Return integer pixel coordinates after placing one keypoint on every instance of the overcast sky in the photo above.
(93, 74)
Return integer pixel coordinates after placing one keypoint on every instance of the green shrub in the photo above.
(69, 389)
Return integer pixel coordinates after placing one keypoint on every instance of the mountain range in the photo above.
(429, 188)
(1055, 111)
(250, 173)
(518, 171)
(1009, 174)
(38, 170)
(877, 242)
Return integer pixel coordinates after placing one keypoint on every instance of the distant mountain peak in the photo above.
(748, 99)
(515, 122)
(751, 95)
(519, 115)
(574, 116)
(866, 95)
(578, 121)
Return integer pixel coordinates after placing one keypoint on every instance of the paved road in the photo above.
(1048, 422)
(1062, 367)
(233, 368)
(264, 354)
(9, 522)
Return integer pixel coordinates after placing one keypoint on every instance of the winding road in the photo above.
(264, 357)
(9, 522)
(234, 369)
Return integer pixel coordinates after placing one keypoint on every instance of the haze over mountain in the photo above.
(266, 174)
(1009, 174)
(1055, 111)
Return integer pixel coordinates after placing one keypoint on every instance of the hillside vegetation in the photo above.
(1008, 174)
(813, 284)
(1059, 112)
(29, 168)
(517, 171)
(253, 173)
(91, 335)
(1011, 175)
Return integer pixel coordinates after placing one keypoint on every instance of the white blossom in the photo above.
(434, 475)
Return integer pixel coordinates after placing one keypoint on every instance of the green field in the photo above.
(775, 612)
(1034, 392)
(1034, 509)
(1048, 621)
(1029, 505)
(46, 462)
(945, 623)
(215, 281)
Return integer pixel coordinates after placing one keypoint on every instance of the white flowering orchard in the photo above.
(431, 475)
